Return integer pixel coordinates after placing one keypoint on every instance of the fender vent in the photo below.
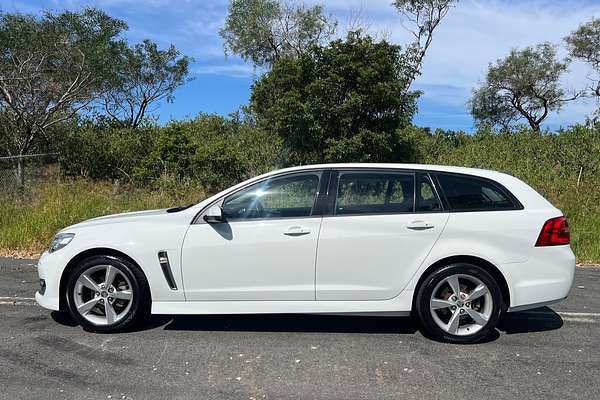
(163, 260)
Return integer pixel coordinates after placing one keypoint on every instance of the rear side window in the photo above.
(466, 193)
(373, 192)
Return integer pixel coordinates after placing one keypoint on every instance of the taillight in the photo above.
(555, 232)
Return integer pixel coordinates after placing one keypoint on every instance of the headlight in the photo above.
(60, 241)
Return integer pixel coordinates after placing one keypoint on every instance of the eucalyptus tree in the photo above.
(144, 75)
(421, 18)
(523, 85)
(584, 45)
(264, 31)
(52, 67)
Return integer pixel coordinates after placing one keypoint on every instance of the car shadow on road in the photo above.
(293, 323)
(537, 320)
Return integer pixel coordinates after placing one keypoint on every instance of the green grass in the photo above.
(28, 225)
(582, 208)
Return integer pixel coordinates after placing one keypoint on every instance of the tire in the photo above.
(464, 318)
(127, 295)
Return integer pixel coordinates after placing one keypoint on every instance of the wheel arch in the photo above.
(98, 251)
(480, 262)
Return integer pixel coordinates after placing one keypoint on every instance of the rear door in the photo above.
(381, 226)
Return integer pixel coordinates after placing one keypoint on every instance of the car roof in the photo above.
(421, 167)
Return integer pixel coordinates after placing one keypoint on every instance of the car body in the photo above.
(332, 238)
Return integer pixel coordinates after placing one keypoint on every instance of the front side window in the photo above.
(466, 193)
(372, 192)
(288, 196)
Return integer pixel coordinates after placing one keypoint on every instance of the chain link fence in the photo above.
(19, 174)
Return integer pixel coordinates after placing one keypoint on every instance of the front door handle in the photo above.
(419, 226)
(296, 231)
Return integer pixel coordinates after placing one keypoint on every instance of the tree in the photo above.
(584, 44)
(144, 75)
(421, 18)
(264, 31)
(50, 68)
(344, 102)
(524, 85)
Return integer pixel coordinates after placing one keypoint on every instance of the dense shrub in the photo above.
(103, 152)
(341, 103)
(212, 150)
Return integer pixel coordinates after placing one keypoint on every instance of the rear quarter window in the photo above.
(469, 193)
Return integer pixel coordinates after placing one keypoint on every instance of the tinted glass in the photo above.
(427, 200)
(284, 197)
(466, 193)
(374, 193)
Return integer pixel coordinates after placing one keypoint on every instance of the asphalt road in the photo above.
(550, 353)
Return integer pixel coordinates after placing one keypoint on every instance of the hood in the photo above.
(120, 218)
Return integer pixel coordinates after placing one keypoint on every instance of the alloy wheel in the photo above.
(461, 304)
(103, 295)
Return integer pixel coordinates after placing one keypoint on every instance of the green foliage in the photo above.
(342, 103)
(524, 85)
(98, 152)
(584, 44)
(264, 31)
(212, 150)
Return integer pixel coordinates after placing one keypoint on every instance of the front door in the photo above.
(266, 248)
(384, 224)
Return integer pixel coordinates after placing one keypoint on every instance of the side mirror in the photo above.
(214, 215)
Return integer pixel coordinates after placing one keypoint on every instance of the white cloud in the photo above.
(233, 70)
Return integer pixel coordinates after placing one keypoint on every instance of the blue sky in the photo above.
(475, 33)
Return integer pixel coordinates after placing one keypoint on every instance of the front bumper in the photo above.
(49, 269)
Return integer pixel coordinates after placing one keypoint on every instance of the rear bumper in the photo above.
(546, 278)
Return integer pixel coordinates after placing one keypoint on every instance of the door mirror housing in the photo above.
(214, 215)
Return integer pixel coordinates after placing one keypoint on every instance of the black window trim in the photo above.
(517, 205)
(436, 192)
(318, 204)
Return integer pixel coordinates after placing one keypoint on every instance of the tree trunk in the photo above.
(535, 125)
(20, 176)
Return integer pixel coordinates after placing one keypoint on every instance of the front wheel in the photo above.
(107, 294)
(459, 303)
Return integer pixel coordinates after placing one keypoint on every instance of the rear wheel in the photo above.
(107, 294)
(459, 303)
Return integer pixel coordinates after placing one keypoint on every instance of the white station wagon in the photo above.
(456, 247)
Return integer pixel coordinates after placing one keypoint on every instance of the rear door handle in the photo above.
(419, 226)
(296, 231)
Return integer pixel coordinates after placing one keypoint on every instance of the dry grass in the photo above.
(27, 226)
